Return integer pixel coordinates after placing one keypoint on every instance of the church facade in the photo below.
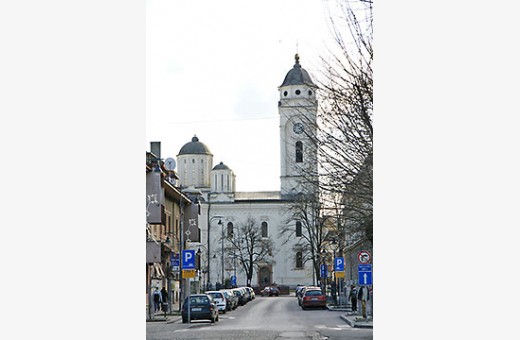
(223, 210)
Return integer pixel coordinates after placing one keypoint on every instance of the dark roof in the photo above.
(194, 148)
(221, 166)
(297, 76)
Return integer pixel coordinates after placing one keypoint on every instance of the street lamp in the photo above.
(215, 217)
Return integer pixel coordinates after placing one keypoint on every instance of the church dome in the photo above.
(221, 166)
(194, 148)
(297, 76)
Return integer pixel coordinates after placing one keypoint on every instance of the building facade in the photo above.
(224, 211)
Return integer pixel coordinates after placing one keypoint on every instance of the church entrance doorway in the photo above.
(264, 276)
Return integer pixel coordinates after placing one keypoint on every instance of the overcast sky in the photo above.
(213, 70)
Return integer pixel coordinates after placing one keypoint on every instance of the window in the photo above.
(264, 229)
(230, 230)
(299, 152)
(298, 229)
(299, 260)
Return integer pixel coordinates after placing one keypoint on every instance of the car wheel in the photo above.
(184, 321)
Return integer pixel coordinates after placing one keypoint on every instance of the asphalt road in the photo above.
(266, 318)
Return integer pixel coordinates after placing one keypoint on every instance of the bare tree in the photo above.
(250, 248)
(314, 229)
(338, 203)
(345, 130)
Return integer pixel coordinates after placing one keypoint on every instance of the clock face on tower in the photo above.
(298, 128)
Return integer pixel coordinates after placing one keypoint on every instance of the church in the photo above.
(223, 210)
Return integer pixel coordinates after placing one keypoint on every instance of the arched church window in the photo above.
(264, 229)
(230, 230)
(298, 229)
(299, 152)
(299, 260)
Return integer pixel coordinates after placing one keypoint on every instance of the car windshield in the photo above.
(216, 295)
(199, 300)
(313, 293)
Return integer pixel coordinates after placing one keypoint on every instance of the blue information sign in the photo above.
(175, 261)
(188, 259)
(323, 271)
(233, 280)
(339, 264)
(365, 274)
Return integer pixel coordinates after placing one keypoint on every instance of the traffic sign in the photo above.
(323, 271)
(175, 261)
(363, 257)
(188, 259)
(189, 273)
(365, 274)
(339, 264)
(233, 280)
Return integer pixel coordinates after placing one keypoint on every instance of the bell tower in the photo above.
(298, 108)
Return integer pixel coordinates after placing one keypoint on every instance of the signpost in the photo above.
(323, 271)
(365, 274)
(339, 264)
(188, 259)
(364, 257)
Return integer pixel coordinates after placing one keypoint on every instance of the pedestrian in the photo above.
(157, 298)
(364, 297)
(164, 299)
(353, 298)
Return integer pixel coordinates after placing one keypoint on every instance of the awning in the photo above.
(157, 271)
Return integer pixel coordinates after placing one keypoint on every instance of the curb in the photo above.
(355, 324)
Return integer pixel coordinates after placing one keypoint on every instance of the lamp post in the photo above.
(215, 217)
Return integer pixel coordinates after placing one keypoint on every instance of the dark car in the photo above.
(242, 299)
(270, 291)
(314, 298)
(231, 299)
(201, 307)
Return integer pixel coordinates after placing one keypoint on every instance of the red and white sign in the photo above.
(364, 257)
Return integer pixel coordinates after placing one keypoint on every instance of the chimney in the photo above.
(155, 148)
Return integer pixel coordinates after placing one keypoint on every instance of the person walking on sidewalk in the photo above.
(164, 299)
(353, 298)
(157, 299)
(364, 297)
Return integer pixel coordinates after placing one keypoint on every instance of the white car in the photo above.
(219, 298)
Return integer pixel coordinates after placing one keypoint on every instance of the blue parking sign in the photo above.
(188, 259)
(339, 264)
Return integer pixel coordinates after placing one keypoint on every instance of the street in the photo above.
(263, 318)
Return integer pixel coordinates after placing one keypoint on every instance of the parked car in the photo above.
(246, 293)
(219, 298)
(314, 298)
(270, 291)
(231, 299)
(303, 290)
(242, 299)
(298, 291)
(251, 292)
(201, 307)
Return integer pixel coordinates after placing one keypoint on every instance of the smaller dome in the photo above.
(194, 148)
(221, 166)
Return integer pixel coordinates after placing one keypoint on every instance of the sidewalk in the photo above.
(168, 317)
(354, 319)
